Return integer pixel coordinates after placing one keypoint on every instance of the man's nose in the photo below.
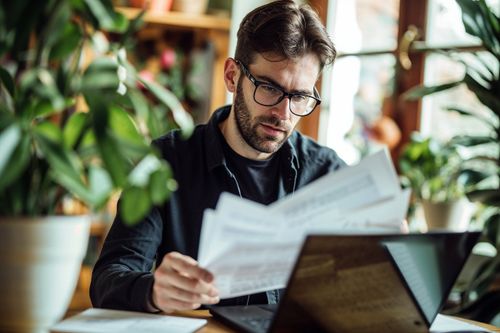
(282, 109)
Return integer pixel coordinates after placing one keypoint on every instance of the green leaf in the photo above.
(114, 160)
(489, 197)
(124, 127)
(101, 185)
(7, 81)
(50, 131)
(421, 91)
(140, 174)
(53, 25)
(39, 86)
(74, 128)
(15, 155)
(135, 204)
(140, 105)
(67, 44)
(161, 185)
(481, 22)
(29, 13)
(64, 167)
(134, 25)
(181, 116)
(100, 81)
(485, 95)
(492, 229)
(9, 139)
(471, 114)
(470, 177)
(107, 17)
(469, 141)
(101, 74)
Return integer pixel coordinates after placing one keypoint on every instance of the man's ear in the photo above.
(231, 74)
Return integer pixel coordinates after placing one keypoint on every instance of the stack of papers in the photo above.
(252, 248)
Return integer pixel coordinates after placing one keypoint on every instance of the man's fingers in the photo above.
(169, 277)
(180, 284)
(171, 305)
(188, 296)
(188, 266)
(170, 299)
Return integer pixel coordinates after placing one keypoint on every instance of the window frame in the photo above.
(406, 114)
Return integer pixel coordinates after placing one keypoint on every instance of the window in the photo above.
(363, 91)
(365, 34)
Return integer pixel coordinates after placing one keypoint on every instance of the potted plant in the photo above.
(433, 171)
(481, 299)
(73, 128)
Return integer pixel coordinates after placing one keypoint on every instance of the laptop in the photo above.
(361, 283)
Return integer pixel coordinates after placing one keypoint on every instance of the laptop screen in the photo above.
(384, 283)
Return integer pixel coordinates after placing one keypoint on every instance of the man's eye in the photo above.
(299, 98)
(269, 89)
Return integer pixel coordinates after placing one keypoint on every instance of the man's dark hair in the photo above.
(285, 29)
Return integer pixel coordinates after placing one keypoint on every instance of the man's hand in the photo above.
(180, 284)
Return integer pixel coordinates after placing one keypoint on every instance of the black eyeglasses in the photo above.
(267, 94)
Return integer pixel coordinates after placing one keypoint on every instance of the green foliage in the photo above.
(74, 130)
(433, 170)
(482, 169)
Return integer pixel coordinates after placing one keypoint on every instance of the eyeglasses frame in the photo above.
(288, 95)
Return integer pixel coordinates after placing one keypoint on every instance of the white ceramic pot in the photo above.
(40, 259)
(451, 215)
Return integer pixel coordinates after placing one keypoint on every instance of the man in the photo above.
(249, 149)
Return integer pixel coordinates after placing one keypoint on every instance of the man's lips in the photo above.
(272, 130)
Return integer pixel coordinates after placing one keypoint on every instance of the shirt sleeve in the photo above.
(122, 277)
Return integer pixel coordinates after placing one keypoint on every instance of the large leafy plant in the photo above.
(74, 121)
(481, 77)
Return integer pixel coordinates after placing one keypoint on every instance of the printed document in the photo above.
(251, 247)
(114, 321)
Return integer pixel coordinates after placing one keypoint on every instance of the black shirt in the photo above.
(257, 179)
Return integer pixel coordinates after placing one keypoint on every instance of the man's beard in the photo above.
(248, 130)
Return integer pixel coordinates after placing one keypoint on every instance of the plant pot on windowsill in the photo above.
(449, 215)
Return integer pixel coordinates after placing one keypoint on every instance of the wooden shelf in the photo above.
(178, 19)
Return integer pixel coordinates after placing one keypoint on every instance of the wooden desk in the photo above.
(213, 326)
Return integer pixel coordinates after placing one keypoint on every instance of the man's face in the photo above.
(265, 128)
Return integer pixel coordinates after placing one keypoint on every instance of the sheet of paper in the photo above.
(372, 180)
(264, 267)
(251, 247)
(104, 320)
(383, 216)
(234, 224)
(446, 324)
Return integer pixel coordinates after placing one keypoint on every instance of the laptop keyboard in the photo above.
(258, 324)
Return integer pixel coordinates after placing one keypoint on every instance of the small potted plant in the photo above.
(73, 128)
(434, 172)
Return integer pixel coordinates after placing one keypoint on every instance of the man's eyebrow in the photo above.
(276, 84)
